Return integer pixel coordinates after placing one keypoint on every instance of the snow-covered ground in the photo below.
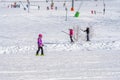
(94, 60)
(57, 65)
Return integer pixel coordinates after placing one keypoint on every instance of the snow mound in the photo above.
(97, 45)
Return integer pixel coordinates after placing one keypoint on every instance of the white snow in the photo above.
(94, 60)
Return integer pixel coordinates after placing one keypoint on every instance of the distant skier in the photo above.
(38, 7)
(56, 8)
(91, 11)
(103, 11)
(64, 4)
(71, 32)
(47, 8)
(40, 45)
(87, 33)
(94, 11)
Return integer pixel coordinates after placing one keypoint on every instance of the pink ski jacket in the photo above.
(40, 43)
(71, 32)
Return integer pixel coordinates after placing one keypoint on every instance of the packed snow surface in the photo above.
(97, 59)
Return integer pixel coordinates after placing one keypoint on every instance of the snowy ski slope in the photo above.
(94, 60)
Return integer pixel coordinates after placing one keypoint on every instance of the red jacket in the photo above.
(71, 32)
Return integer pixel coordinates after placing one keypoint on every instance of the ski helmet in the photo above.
(40, 35)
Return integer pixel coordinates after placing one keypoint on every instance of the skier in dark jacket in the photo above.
(87, 32)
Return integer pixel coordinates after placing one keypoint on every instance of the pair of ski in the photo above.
(40, 55)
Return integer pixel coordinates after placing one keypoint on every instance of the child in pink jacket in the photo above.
(40, 45)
